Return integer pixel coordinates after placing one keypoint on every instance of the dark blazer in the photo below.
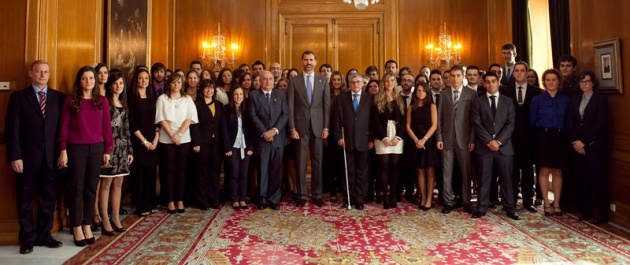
(206, 131)
(505, 79)
(357, 133)
(30, 136)
(264, 118)
(229, 129)
(488, 128)
(522, 137)
(591, 129)
(481, 90)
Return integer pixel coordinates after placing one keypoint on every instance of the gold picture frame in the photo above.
(608, 66)
(128, 35)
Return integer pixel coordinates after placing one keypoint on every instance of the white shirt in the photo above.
(496, 99)
(408, 100)
(524, 86)
(473, 87)
(358, 97)
(459, 91)
(175, 112)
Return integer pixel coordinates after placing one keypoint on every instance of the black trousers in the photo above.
(43, 182)
(207, 188)
(143, 178)
(524, 175)
(174, 159)
(238, 168)
(84, 167)
(592, 177)
(357, 176)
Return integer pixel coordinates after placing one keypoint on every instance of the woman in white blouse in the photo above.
(175, 112)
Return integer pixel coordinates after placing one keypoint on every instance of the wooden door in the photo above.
(343, 42)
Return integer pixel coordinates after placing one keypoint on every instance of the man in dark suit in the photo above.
(269, 113)
(474, 79)
(435, 80)
(521, 95)
(455, 137)
(493, 119)
(508, 53)
(353, 116)
(407, 172)
(32, 125)
(309, 114)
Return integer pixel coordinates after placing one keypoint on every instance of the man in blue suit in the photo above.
(269, 113)
(493, 121)
(32, 125)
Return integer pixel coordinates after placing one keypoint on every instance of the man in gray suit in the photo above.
(493, 117)
(309, 115)
(455, 137)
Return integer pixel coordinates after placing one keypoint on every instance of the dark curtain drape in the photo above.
(521, 30)
(560, 30)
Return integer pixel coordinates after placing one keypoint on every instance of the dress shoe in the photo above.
(274, 206)
(243, 205)
(119, 229)
(447, 209)
(79, 243)
(530, 208)
(262, 205)
(104, 231)
(599, 220)
(90, 240)
(318, 202)
(50, 243)
(557, 211)
(359, 206)
(421, 207)
(236, 206)
(171, 211)
(493, 205)
(478, 214)
(182, 210)
(469, 209)
(513, 215)
(26, 248)
(122, 211)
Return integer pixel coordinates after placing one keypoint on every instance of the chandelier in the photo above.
(446, 52)
(360, 4)
(215, 53)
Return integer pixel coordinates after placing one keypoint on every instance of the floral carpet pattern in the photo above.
(333, 235)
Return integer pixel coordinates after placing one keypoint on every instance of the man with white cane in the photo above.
(353, 116)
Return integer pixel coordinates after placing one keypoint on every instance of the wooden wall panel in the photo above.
(474, 24)
(161, 30)
(242, 22)
(587, 27)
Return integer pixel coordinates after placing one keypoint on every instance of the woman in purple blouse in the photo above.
(86, 143)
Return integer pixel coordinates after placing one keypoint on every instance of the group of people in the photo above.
(374, 138)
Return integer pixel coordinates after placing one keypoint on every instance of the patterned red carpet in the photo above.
(332, 235)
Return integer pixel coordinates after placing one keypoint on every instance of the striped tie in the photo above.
(42, 102)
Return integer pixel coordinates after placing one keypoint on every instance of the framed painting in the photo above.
(608, 66)
(128, 35)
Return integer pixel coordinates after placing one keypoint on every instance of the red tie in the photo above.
(42, 102)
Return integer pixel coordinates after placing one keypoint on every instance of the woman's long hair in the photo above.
(381, 101)
(77, 91)
(172, 79)
(232, 110)
(114, 75)
(343, 87)
(135, 95)
(220, 77)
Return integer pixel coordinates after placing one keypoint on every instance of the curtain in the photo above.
(560, 31)
(521, 30)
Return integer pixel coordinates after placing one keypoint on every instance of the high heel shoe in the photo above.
(243, 205)
(557, 213)
(104, 231)
(171, 211)
(90, 241)
(116, 228)
(183, 210)
(550, 213)
(96, 224)
(79, 243)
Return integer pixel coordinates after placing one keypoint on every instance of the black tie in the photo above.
(405, 101)
(437, 99)
(519, 98)
(493, 106)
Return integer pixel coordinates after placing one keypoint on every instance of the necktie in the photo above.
(42, 102)
(405, 100)
(493, 105)
(268, 97)
(437, 99)
(309, 89)
(456, 99)
(508, 72)
(355, 101)
(519, 97)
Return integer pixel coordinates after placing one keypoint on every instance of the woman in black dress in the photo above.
(421, 124)
(144, 142)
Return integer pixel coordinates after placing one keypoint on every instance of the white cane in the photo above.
(345, 162)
